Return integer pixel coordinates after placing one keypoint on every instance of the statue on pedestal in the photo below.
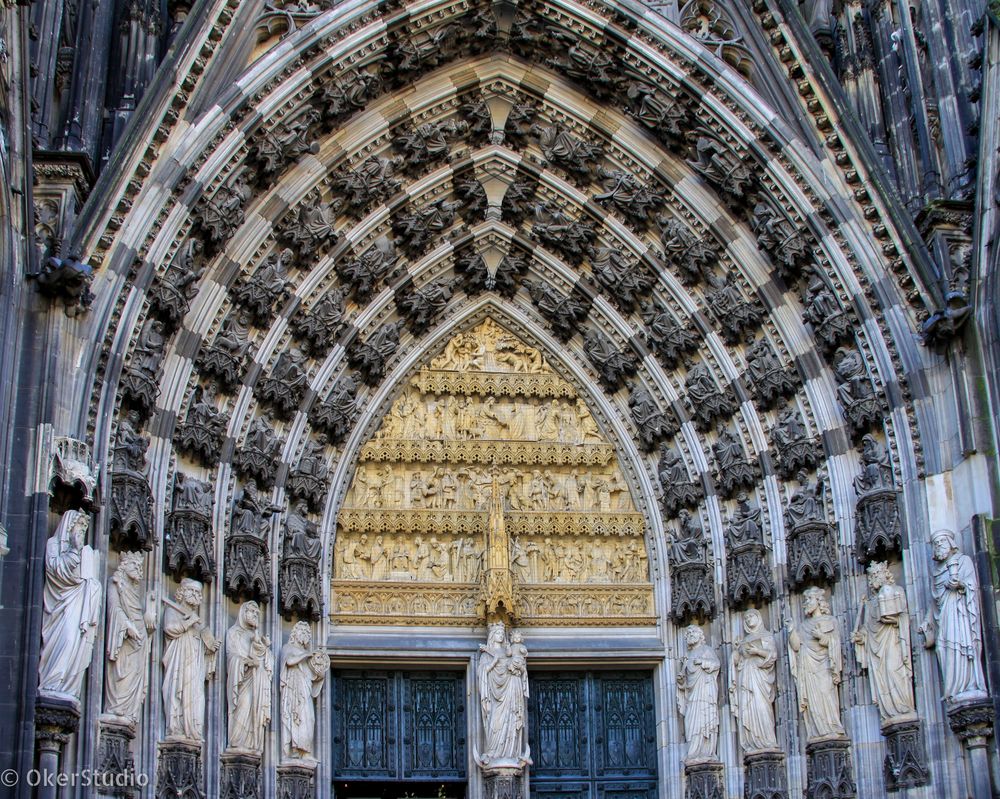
(71, 608)
(698, 697)
(188, 661)
(130, 621)
(817, 662)
(952, 626)
(502, 677)
(882, 644)
(249, 665)
(302, 675)
(752, 684)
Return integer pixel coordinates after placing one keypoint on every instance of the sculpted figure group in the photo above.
(458, 558)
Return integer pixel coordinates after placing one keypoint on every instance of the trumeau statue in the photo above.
(71, 608)
(952, 626)
(817, 662)
(130, 621)
(698, 697)
(188, 661)
(882, 645)
(303, 672)
(249, 665)
(752, 684)
(502, 677)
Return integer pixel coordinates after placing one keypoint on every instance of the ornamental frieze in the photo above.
(538, 453)
(426, 521)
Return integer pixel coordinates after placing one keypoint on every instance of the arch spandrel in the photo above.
(412, 530)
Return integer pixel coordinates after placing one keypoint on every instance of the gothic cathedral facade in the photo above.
(492, 399)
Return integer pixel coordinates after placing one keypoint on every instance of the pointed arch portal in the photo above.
(390, 247)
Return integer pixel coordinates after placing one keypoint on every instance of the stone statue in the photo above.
(249, 665)
(698, 697)
(752, 684)
(952, 626)
(71, 608)
(817, 662)
(302, 675)
(130, 621)
(188, 661)
(882, 645)
(502, 677)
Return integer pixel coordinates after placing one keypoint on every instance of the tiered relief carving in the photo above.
(489, 415)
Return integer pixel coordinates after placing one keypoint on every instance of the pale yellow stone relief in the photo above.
(488, 428)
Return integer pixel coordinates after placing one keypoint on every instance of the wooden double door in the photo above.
(403, 733)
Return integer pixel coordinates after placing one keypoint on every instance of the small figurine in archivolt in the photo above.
(502, 678)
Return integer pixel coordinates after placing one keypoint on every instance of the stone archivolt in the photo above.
(417, 513)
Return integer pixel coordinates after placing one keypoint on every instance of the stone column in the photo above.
(704, 780)
(503, 782)
(179, 772)
(297, 780)
(905, 762)
(972, 722)
(765, 775)
(115, 763)
(240, 775)
(829, 769)
(55, 721)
